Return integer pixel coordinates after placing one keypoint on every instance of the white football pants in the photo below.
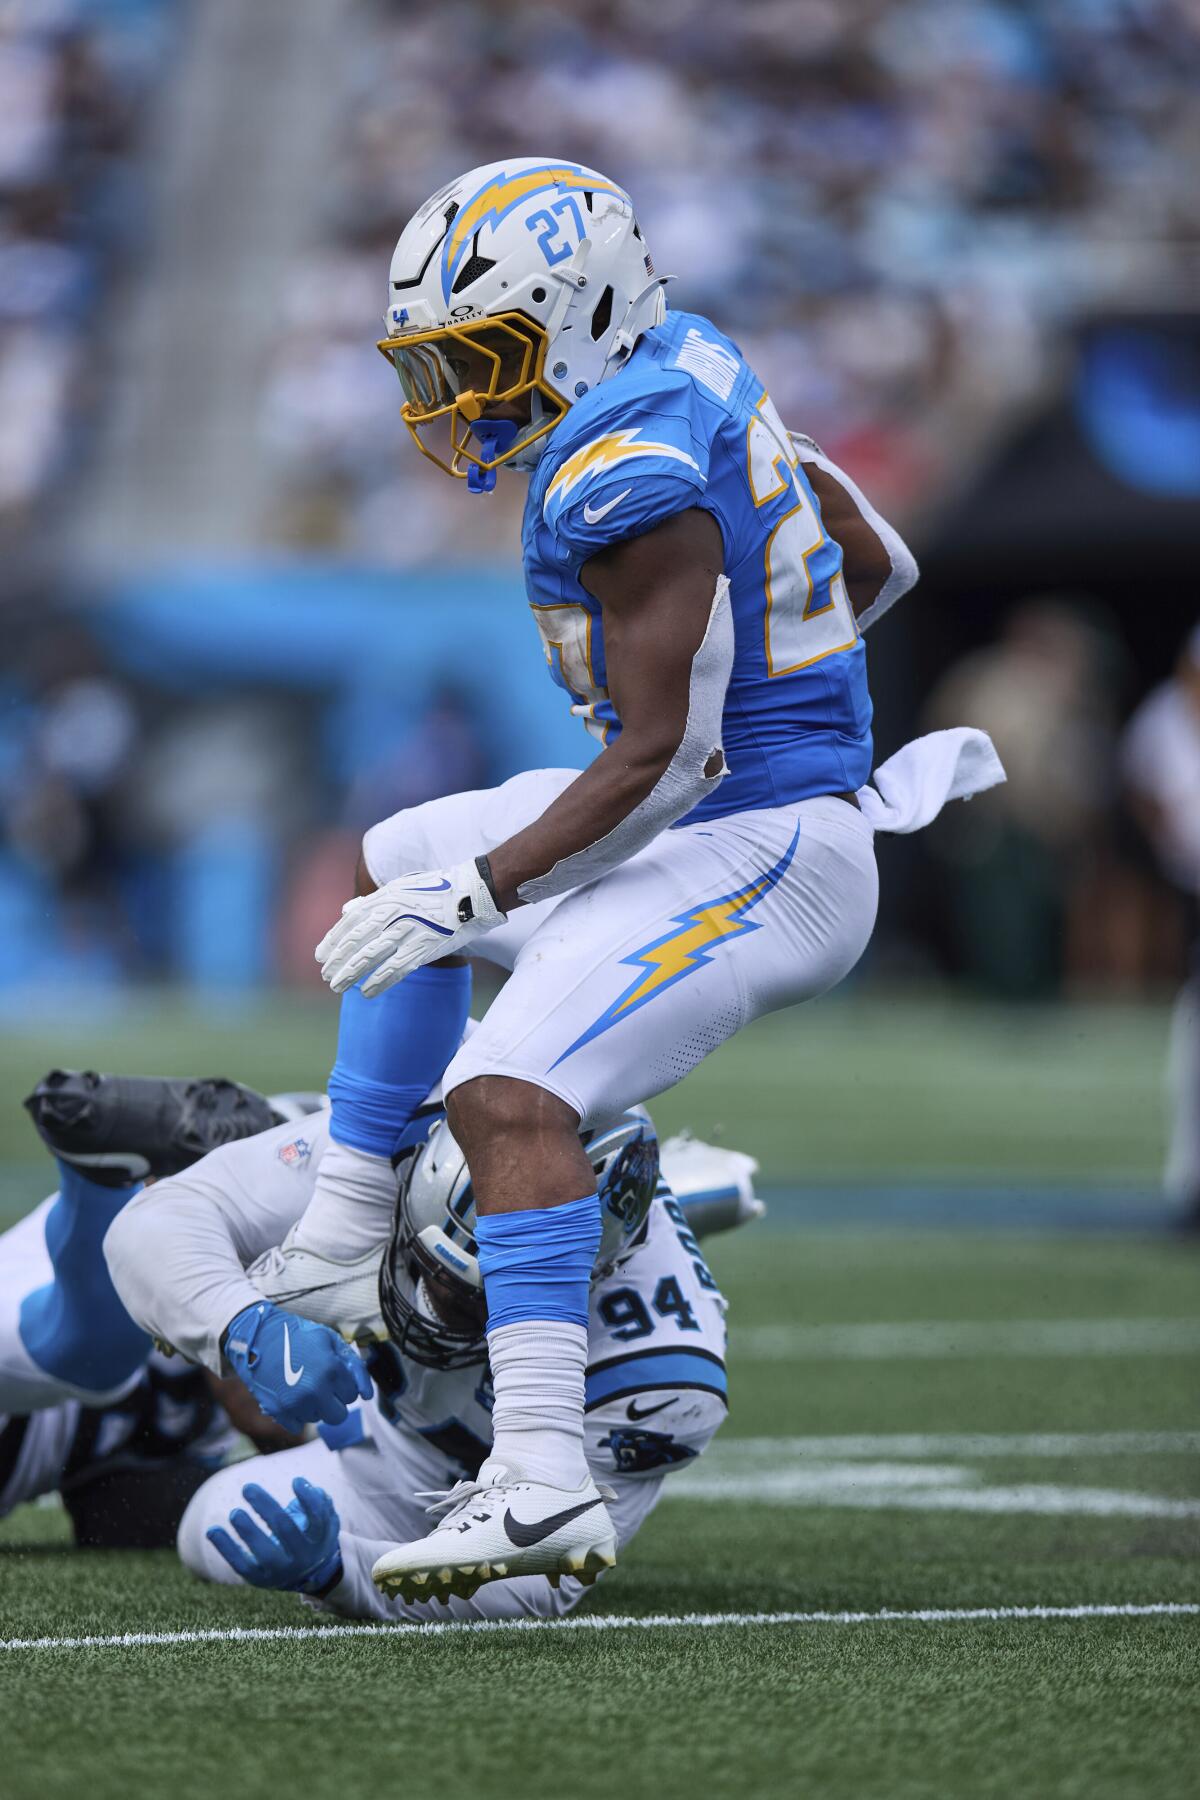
(621, 987)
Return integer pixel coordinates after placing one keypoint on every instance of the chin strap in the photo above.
(635, 325)
(495, 436)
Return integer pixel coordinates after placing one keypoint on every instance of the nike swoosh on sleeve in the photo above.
(525, 1535)
(594, 514)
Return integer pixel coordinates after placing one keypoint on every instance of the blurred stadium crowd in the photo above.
(894, 205)
(75, 77)
(899, 207)
(204, 836)
(209, 836)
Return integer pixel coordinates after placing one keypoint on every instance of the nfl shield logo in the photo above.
(293, 1154)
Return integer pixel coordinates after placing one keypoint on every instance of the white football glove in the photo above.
(411, 921)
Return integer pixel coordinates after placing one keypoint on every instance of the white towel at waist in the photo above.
(910, 789)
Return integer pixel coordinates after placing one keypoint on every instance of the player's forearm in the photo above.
(877, 565)
(588, 811)
(176, 1267)
(667, 759)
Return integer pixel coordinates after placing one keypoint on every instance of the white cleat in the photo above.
(713, 1185)
(499, 1526)
(344, 1296)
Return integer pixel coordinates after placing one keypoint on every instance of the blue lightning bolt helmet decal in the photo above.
(686, 948)
(496, 200)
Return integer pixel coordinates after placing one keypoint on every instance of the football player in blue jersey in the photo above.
(700, 580)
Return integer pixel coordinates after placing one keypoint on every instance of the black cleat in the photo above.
(117, 1129)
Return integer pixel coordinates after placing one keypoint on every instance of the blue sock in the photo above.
(75, 1328)
(538, 1264)
(391, 1051)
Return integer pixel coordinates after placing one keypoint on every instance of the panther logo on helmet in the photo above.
(634, 1172)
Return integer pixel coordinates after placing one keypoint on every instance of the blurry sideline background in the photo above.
(242, 619)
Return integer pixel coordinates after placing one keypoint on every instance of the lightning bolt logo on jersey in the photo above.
(680, 952)
(687, 423)
(605, 452)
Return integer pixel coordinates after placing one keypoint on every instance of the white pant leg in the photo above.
(632, 980)
(43, 1443)
(442, 832)
(44, 1438)
(24, 1267)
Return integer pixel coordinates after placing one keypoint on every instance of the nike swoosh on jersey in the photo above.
(594, 514)
(291, 1374)
(525, 1535)
(647, 1412)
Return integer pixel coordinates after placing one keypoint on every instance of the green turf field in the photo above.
(880, 1088)
(921, 1422)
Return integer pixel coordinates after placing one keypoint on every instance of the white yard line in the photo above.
(931, 1615)
(938, 1338)
(881, 1487)
(961, 1443)
(869, 1473)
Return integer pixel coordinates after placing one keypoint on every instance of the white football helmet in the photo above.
(514, 290)
(433, 1236)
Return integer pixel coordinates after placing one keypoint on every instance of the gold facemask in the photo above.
(452, 375)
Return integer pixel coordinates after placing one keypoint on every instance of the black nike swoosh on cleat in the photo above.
(647, 1412)
(525, 1535)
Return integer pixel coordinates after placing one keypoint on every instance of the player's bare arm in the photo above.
(656, 592)
(877, 565)
(866, 564)
(668, 645)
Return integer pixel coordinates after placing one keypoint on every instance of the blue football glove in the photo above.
(299, 1551)
(297, 1371)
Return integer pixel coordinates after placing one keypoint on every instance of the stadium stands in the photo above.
(897, 208)
(75, 79)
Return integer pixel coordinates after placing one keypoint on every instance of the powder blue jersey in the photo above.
(687, 423)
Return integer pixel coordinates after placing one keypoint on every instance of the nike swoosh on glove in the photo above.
(411, 921)
(299, 1372)
(299, 1549)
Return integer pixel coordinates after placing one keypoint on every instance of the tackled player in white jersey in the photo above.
(127, 1433)
(187, 1258)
